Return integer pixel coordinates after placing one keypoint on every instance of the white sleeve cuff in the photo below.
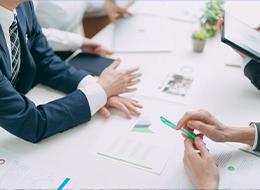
(94, 92)
(245, 62)
(256, 136)
(96, 97)
(86, 81)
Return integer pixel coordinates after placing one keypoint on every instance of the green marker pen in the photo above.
(173, 126)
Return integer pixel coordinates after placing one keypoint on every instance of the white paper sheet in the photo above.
(143, 149)
(139, 33)
(238, 169)
(15, 174)
(187, 11)
(174, 85)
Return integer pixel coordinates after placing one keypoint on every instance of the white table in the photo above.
(222, 90)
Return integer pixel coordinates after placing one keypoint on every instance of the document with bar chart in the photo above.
(237, 167)
(139, 147)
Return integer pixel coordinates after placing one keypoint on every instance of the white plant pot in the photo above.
(198, 45)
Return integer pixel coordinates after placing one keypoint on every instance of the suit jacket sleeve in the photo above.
(51, 70)
(252, 72)
(22, 117)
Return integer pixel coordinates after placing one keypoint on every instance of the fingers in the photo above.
(132, 108)
(102, 51)
(202, 115)
(115, 64)
(198, 125)
(93, 45)
(104, 112)
(126, 105)
(122, 108)
(201, 147)
(134, 76)
(134, 79)
(132, 83)
(129, 90)
(124, 12)
(188, 145)
(131, 70)
(135, 103)
(219, 24)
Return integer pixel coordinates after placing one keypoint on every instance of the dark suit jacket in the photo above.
(252, 72)
(18, 114)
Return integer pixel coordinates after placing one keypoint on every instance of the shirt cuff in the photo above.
(256, 136)
(86, 81)
(96, 97)
(94, 92)
(245, 62)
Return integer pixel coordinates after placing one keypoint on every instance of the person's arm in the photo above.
(22, 118)
(108, 7)
(199, 165)
(252, 72)
(250, 67)
(205, 123)
(51, 70)
(63, 41)
(69, 41)
(114, 11)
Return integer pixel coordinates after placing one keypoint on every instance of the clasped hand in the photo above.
(118, 81)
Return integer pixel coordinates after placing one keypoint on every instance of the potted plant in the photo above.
(208, 20)
(199, 40)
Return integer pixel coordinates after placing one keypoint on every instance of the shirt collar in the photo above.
(6, 18)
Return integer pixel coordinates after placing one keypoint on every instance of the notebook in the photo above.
(92, 63)
(241, 37)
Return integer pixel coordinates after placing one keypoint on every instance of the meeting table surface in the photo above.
(212, 85)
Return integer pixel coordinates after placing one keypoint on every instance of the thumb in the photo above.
(104, 112)
(115, 64)
(201, 147)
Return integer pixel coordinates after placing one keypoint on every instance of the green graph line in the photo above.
(125, 161)
(142, 130)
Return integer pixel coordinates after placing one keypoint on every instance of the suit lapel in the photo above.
(4, 50)
(27, 69)
(21, 24)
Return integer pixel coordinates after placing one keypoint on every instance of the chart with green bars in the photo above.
(142, 126)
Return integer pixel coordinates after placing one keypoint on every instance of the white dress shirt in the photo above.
(62, 24)
(6, 20)
(94, 93)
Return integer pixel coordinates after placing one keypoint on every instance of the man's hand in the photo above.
(90, 46)
(205, 123)
(208, 125)
(114, 11)
(115, 81)
(127, 106)
(200, 166)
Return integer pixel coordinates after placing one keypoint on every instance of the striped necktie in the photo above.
(15, 49)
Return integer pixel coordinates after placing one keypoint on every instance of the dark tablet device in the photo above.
(92, 63)
(241, 36)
